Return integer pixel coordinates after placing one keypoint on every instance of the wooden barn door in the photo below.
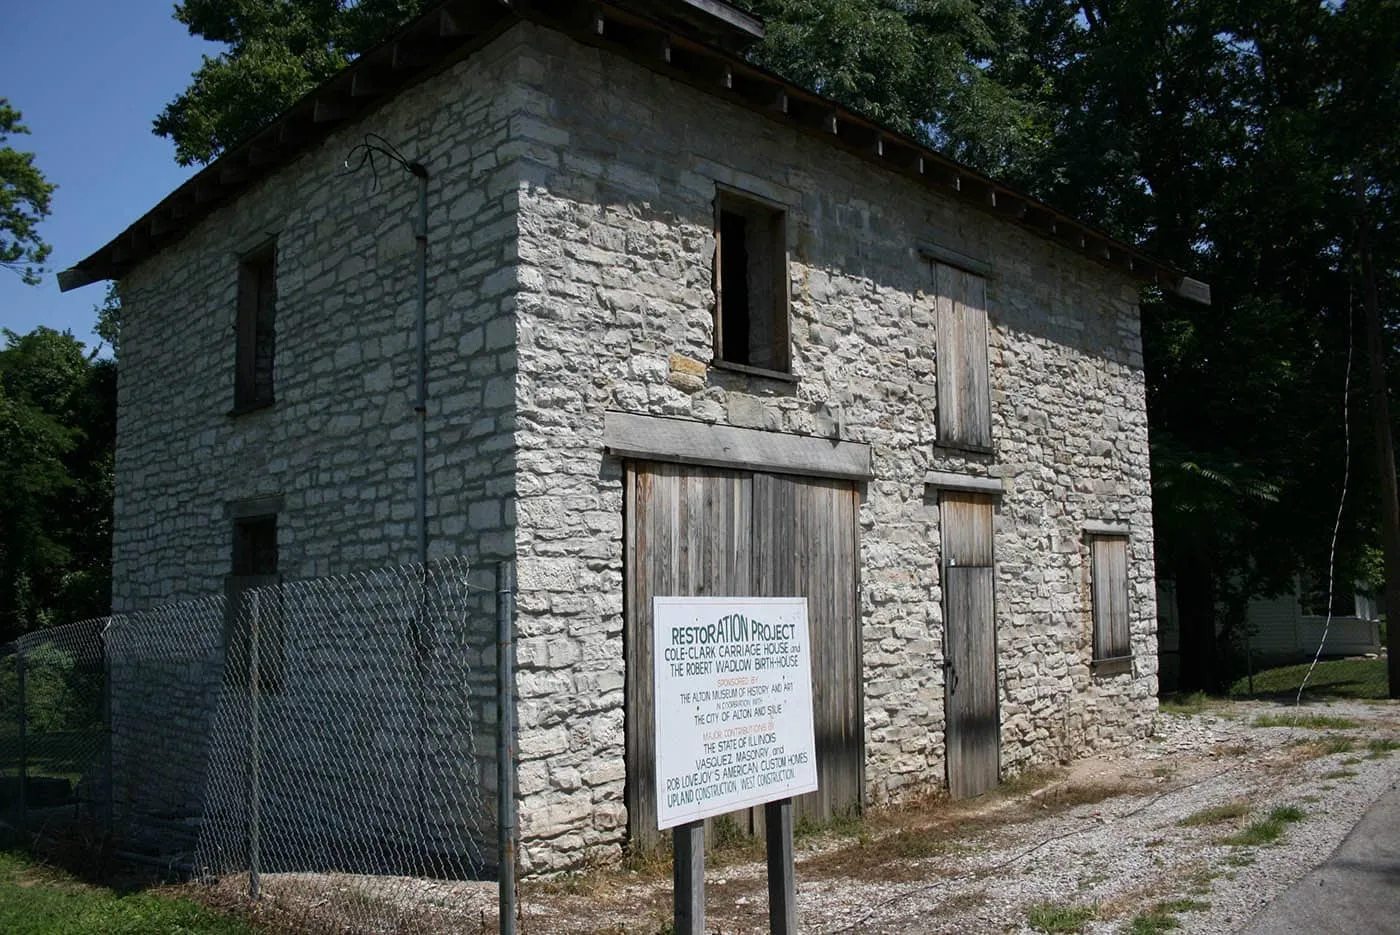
(970, 651)
(704, 531)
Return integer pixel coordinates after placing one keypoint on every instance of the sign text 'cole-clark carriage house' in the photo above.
(688, 329)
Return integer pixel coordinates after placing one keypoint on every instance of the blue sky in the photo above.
(89, 76)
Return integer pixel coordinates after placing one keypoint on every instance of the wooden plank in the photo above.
(955, 258)
(630, 435)
(966, 483)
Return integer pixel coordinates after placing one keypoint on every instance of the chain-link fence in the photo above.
(52, 729)
(325, 748)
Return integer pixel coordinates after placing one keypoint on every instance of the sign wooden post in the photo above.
(782, 881)
(733, 690)
(688, 858)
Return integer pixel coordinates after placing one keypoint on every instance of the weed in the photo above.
(1162, 916)
(1239, 860)
(1152, 923)
(1307, 721)
(1340, 774)
(1055, 918)
(1215, 814)
(847, 823)
(1266, 830)
(1323, 746)
(1380, 747)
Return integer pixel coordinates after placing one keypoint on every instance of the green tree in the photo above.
(277, 51)
(928, 69)
(24, 202)
(57, 434)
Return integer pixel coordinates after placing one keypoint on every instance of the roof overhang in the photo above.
(697, 42)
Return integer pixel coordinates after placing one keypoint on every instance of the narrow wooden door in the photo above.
(973, 732)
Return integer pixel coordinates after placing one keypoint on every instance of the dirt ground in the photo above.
(1173, 832)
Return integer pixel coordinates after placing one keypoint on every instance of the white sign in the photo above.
(733, 680)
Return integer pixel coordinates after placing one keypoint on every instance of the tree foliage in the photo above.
(278, 50)
(24, 202)
(57, 437)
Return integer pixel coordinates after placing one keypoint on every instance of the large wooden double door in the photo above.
(705, 531)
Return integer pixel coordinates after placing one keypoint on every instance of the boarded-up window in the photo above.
(751, 296)
(253, 617)
(256, 330)
(964, 387)
(1109, 573)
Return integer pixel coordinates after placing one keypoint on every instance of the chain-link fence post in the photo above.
(505, 742)
(254, 757)
(23, 745)
(109, 792)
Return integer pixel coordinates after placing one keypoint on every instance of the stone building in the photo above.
(688, 329)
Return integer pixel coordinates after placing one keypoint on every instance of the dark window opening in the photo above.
(751, 322)
(253, 618)
(256, 329)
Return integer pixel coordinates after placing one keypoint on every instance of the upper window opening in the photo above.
(256, 330)
(751, 301)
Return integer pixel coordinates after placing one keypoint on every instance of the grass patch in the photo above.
(847, 824)
(1324, 746)
(1266, 830)
(1337, 678)
(1163, 916)
(1215, 814)
(41, 901)
(1308, 721)
(1379, 748)
(1054, 918)
(1178, 703)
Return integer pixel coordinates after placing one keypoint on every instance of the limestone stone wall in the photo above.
(337, 448)
(615, 312)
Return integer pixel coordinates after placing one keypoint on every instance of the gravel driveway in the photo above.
(1156, 833)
